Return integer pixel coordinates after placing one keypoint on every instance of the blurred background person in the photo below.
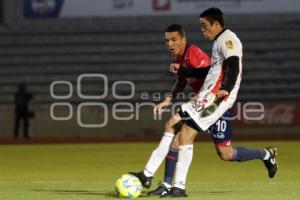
(22, 100)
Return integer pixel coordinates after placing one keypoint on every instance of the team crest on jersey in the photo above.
(229, 44)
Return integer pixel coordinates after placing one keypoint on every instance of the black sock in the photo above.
(170, 165)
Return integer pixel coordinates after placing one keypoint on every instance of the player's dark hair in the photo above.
(212, 15)
(176, 28)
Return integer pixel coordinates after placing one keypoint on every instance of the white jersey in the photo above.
(225, 45)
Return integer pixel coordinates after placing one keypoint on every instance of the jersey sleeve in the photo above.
(231, 50)
(230, 47)
(197, 58)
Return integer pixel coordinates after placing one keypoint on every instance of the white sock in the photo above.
(185, 157)
(167, 185)
(158, 155)
(267, 155)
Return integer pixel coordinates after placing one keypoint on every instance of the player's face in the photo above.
(209, 30)
(175, 43)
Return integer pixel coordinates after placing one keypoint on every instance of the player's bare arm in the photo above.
(222, 93)
(178, 87)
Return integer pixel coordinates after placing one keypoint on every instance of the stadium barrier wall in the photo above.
(281, 120)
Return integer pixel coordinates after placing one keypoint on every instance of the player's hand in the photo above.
(221, 94)
(159, 108)
(174, 67)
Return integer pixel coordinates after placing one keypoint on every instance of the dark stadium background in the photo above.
(115, 49)
(38, 47)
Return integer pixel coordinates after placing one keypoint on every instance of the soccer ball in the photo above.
(128, 186)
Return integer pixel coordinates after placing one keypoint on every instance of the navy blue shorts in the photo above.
(221, 131)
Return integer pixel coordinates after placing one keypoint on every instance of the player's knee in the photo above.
(226, 156)
(225, 152)
(171, 125)
(175, 144)
(187, 135)
(168, 125)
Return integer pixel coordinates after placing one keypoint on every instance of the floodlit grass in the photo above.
(88, 172)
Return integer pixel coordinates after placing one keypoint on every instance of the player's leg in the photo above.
(170, 166)
(159, 154)
(187, 135)
(221, 133)
(162, 150)
(170, 162)
(192, 122)
(241, 154)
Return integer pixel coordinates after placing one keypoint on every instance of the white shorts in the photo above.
(208, 114)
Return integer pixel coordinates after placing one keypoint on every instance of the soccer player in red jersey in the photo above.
(194, 67)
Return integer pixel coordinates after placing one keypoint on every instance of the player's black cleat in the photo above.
(271, 163)
(174, 193)
(158, 191)
(146, 181)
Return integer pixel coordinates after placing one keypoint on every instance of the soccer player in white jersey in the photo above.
(216, 96)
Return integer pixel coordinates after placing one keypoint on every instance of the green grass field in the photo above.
(88, 172)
